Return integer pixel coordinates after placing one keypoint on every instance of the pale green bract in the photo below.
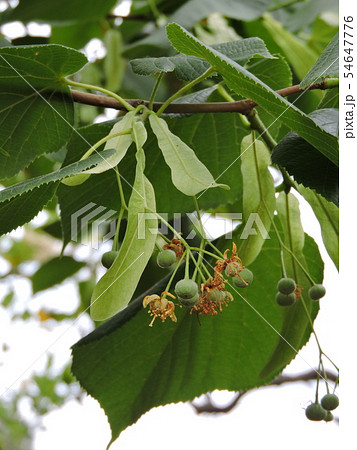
(258, 198)
(116, 288)
(119, 143)
(188, 173)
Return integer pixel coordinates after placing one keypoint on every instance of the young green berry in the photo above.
(166, 258)
(286, 286)
(328, 417)
(243, 279)
(189, 301)
(317, 291)
(330, 402)
(315, 412)
(108, 258)
(186, 288)
(215, 295)
(232, 269)
(285, 299)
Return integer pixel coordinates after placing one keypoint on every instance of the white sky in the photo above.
(270, 418)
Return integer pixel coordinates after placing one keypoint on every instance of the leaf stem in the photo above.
(120, 187)
(154, 91)
(197, 209)
(116, 237)
(257, 124)
(205, 251)
(175, 271)
(90, 87)
(225, 94)
(198, 268)
(215, 248)
(185, 88)
(103, 140)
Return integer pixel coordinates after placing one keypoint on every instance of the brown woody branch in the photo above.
(242, 106)
(209, 407)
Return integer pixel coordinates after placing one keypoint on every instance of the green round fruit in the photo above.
(186, 288)
(315, 412)
(286, 286)
(189, 301)
(232, 269)
(329, 417)
(215, 295)
(166, 258)
(108, 258)
(247, 276)
(317, 291)
(285, 299)
(330, 402)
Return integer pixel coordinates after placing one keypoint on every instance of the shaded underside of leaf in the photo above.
(192, 12)
(188, 68)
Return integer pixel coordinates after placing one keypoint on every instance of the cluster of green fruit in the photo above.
(187, 290)
(241, 277)
(287, 292)
(322, 411)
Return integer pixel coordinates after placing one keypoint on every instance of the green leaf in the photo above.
(307, 165)
(115, 289)
(273, 72)
(189, 175)
(64, 10)
(244, 83)
(188, 68)
(54, 272)
(173, 362)
(325, 67)
(258, 198)
(327, 215)
(36, 110)
(296, 324)
(22, 201)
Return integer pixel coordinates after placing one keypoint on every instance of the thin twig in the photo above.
(209, 407)
(242, 106)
